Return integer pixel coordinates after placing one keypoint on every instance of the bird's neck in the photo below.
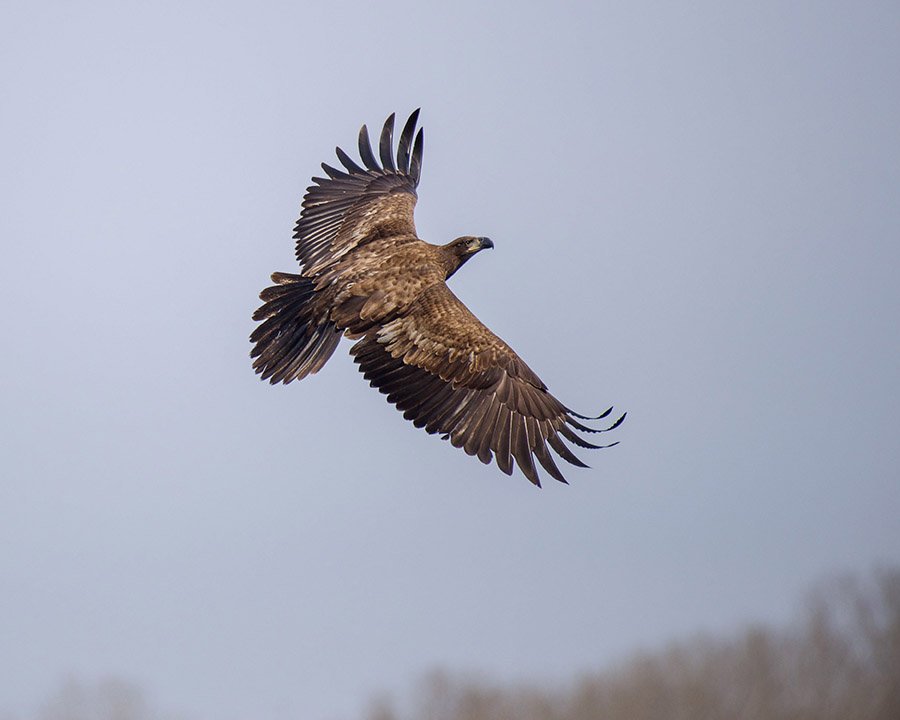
(451, 261)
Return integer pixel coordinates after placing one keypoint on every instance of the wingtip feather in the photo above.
(386, 146)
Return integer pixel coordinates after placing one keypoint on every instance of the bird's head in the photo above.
(462, 249)
(465, 247)
(469, 245)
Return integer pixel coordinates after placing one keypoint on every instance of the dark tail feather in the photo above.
(289, 344)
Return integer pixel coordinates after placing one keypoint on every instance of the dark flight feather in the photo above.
(365, 150)
(386, 146)
(406, 138)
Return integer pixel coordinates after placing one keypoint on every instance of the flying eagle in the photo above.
(366, 275)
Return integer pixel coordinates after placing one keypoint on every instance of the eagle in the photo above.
(366, 275)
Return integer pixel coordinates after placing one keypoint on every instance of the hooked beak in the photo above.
(485, 242)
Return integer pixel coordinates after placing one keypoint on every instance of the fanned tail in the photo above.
(290, 343)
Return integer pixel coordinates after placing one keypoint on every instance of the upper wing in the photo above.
(343, 210)
(451, 375)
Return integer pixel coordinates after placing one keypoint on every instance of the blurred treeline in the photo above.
(839, 661)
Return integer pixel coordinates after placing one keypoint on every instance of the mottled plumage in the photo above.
(366, 275)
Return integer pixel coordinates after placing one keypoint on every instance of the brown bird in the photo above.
(366, 275)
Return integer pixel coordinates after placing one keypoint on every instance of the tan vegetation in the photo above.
(841, 661)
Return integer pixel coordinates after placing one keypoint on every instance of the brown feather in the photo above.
(500, 440)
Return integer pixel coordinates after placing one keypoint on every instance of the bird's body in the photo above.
(379, 279)
(366, 275)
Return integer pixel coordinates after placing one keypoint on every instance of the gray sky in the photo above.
(696, 218)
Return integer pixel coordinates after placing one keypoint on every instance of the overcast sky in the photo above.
(696, 213)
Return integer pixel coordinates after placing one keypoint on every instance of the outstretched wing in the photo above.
(347, 208)
(449, 374)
